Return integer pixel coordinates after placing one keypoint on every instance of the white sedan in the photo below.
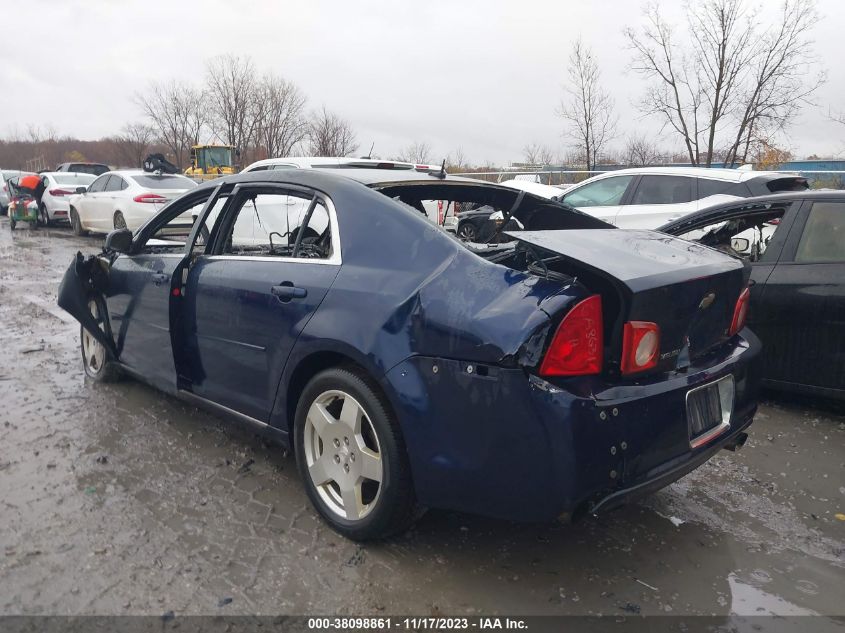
(125, 199)
(58, 188)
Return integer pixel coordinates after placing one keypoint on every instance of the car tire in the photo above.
(75, 223)
(341, 453)
(44, 214)
(467, 231)
(96, 359)
(119, 220)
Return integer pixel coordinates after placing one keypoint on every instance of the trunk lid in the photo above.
(689, 290)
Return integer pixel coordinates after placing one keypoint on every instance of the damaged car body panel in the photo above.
(455, 335)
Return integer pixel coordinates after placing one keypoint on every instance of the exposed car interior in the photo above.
(746, 236)
(532, 212)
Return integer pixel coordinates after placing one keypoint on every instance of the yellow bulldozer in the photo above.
(211, 161)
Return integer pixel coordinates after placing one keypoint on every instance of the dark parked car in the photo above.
(483, 224)
(795, 243)
(95, 169)
(567, 372)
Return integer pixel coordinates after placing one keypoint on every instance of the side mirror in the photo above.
(81, 189)
(119, 241)
(740, 244)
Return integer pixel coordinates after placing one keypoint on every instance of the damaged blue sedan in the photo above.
(567, 368)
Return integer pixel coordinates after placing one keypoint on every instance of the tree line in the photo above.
(260, 115)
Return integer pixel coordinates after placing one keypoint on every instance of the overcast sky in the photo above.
(486, 76)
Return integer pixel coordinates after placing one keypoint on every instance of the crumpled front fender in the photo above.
(85, 278)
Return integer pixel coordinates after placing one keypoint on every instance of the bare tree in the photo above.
(279, 109)
(133, 142)
(457, 161)
(416, 152)
(232, 88)
(330, 135)
(781, 82)
(641, 151)
(734, 80)
(536, 154)
(177, 112)
(587, 108)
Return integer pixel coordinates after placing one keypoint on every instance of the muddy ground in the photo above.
(115, 499)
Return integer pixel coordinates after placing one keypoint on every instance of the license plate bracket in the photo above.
(709, 410)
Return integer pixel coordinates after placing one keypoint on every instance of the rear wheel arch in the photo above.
(310, 366)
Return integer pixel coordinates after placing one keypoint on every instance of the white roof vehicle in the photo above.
(125, 199)
(329, 162)
(546, 191)
(648, 197)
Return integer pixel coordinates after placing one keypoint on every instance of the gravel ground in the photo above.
(115, 499)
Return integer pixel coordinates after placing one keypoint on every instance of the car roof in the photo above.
(785, 197)
(711, 173)
(546, 191)
(138, 172)
(329, 179)
(316, 161)
(67, 173)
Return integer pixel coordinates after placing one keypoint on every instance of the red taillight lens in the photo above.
(740, 312)
(578, 343)
(640, 346)
(149, 197)
(60, 192)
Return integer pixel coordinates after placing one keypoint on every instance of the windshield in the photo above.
(165, 181)
(88, 168)
(73, 179)
(218, 156)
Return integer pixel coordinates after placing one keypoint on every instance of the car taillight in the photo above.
(578, 343)
(640, 346)
(740, 312)
(60, 192)
(149, 197)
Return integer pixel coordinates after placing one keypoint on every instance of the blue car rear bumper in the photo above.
(498, 442)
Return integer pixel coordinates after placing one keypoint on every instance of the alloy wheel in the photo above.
(343, 455)
(467, 232)
(119, 221)
(93, 352)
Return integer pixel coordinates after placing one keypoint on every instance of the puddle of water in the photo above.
(748, 600)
